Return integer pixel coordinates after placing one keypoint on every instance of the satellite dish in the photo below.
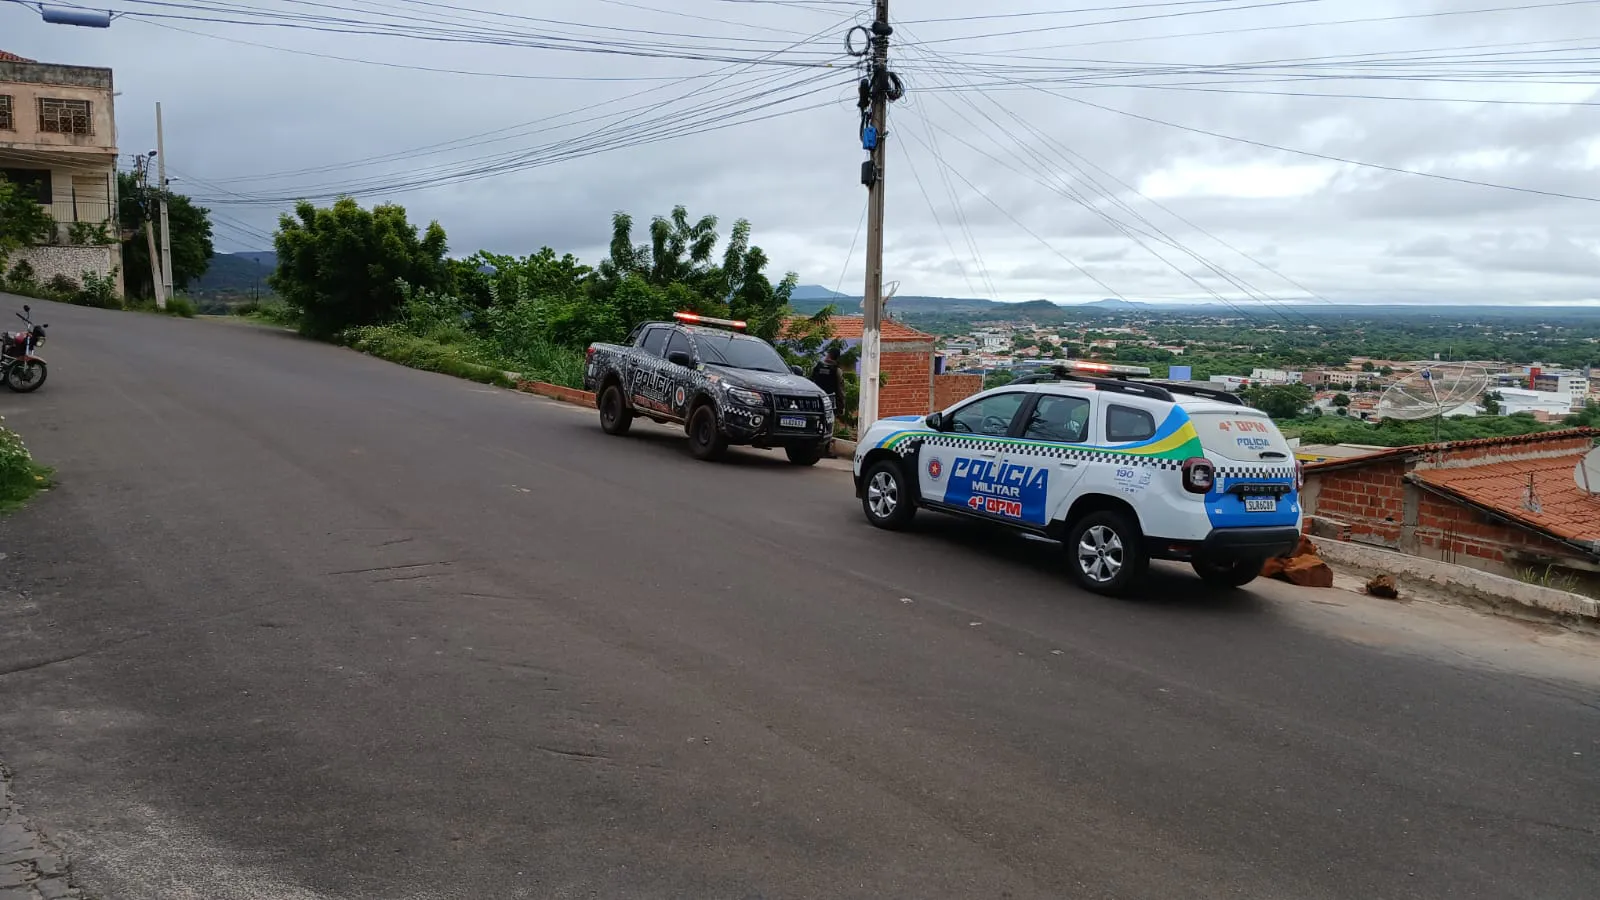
(1587, 472)
(1433, 391)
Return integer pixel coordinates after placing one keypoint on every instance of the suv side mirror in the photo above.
(798, 371)
(935, 421)
(680, 358)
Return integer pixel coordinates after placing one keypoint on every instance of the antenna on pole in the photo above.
(1433, 391)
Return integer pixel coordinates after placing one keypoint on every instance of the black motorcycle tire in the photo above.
(29, 386)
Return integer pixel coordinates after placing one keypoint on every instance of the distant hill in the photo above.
(236, 274)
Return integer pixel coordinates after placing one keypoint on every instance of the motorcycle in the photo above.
(19, 368)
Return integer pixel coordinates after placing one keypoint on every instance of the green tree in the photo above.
(23, 221)
(189, 226)
(343, 265)
(1491, 403)
(1341, 400)
(1368, 366)
(1280, 401)
(997, 378)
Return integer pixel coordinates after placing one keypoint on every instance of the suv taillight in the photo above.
(588, 352)
(1198, 475)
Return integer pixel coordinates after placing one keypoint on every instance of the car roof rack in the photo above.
(1221, 395)
(1121, 385)
(1124, 383)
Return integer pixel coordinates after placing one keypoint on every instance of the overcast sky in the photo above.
(1047, 144)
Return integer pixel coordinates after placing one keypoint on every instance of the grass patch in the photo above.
(540, 360)
(421, 353)
(20, 476)
(269, 312)
(181, 307)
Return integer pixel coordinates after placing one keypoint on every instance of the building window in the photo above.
(7, 121)
(64, 116)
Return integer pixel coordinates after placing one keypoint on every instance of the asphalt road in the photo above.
(301, 624)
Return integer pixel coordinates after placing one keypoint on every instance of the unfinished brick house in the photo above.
(1504, 505)
(910, 388)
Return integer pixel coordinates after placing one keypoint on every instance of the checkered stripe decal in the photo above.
(1054, 451)
(1232, 472)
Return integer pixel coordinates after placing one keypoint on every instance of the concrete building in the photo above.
(1574, 385)
(1230, 382)
(1325, 379)
(1275, 376)
(1504, 505)
(58, 142)
(1518, 400)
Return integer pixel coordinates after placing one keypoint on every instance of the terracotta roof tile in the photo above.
(848, 328)
(12, 57)
(1415, 449)
(1565, 510)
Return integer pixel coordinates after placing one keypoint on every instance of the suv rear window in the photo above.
(1243, 435)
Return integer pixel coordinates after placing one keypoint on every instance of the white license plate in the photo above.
(791, 422)
(1261, 504)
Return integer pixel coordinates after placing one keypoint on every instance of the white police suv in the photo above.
(1120, 470)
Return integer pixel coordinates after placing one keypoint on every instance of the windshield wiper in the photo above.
(1273, 454)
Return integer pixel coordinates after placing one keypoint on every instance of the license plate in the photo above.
(791, 422)
(1261, 504)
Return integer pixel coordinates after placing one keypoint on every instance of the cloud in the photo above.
(990, 191)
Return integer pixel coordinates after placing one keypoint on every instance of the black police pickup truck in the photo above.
(723, 386)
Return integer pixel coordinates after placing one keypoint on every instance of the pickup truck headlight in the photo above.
(748, 398)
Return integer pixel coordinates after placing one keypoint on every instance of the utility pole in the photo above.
(141, 172)
(878, 88)
(166, 235)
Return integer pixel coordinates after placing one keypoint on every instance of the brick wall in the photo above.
(1373, 504)
(1460, 534)
(1370, 500)
(948, 390)
(908, 390)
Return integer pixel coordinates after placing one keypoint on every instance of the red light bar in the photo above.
(697, 319)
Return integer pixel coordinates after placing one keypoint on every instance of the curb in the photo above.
(553, 391)
(1465, 586)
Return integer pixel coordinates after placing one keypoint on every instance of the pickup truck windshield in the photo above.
(738, 353)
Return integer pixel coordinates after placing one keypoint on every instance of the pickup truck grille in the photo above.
(790, 403)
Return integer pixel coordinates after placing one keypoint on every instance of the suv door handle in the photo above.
(987, 454)
(1067, 463)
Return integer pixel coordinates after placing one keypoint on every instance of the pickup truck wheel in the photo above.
(705, 440)
(805, 454)
(1229, 573)
(887, 498)
(615, 417)
(1107, 553)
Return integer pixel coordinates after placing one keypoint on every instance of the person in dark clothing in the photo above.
(825, 375)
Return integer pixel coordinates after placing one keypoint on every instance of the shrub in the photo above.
(180, 306)
(22, 279)
(20, 476)
(89, 233)
(61, 287)
(99, 291)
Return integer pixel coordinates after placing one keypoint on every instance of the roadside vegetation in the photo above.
(370, 279)
(20, 476)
